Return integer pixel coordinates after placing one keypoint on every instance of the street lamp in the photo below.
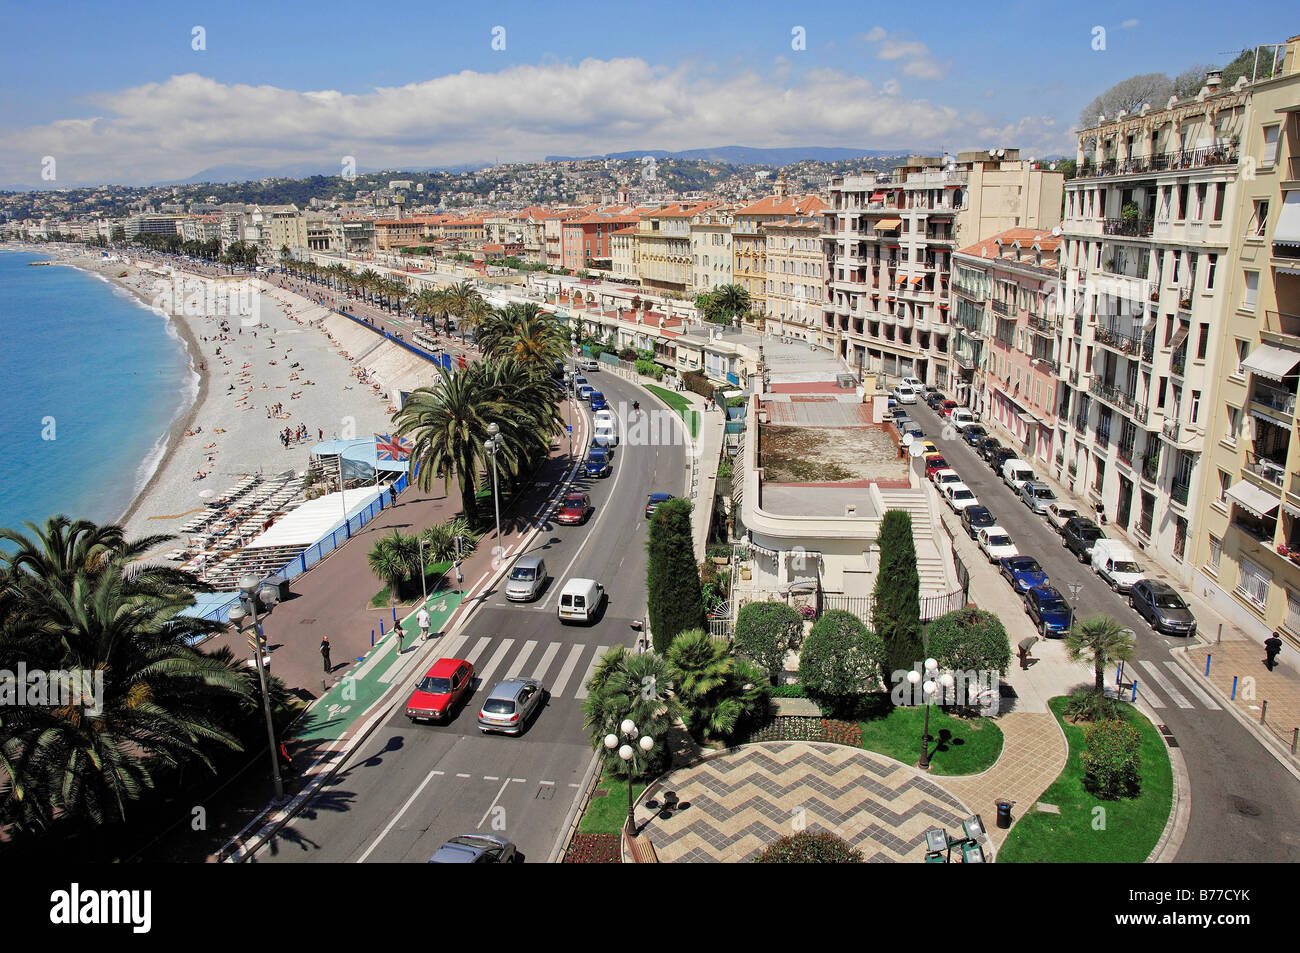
(628, 753)
(930, 686)
(573, 390)
(249, 596)
(424, 586)
(492, 444)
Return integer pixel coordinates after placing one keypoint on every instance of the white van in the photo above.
(580, 600)
(606, 434)
(1116, 564)
(1017, 473)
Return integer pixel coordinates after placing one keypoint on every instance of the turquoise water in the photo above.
(87, 364)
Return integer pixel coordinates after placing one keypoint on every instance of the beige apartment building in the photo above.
(749, 242)
(711, 248)
(623, 254)
(1245, 552)
(889, 241)
(663, 238)
(795, 264)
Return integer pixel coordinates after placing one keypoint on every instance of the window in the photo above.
(1203, 342)
(1259, 220)
(1243, 349)
(1254, 583)
(1200, 202)
(1252, 291)
(1270, 148)
(1216, 551)
(1209, 272)
(1219, 191)
(1292, 621)
(1234, 421)
(1178, 263)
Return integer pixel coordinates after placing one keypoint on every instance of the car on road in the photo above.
(1078, 536)
(1016, 473)
(947, 407)
(961, 418)
(974, 434)
(441, 691)
(574, 509)
(1023, 572)
(935, 400)
(1000, 456)
(1161, 605)
(944, 477)
(929, 447)
(988, 446)
(527, 579)
(905, 394)
(510, 706)
(579, 380)
(959, 496)
(476, 849)
(911, 432)
(597, 463)
(589, 364)
(597, 399)
(652, 502)
(934, 462)
(585, 391)
(580, 600)
(975, 518)
(1037, 496)
(1058, 514)
(914, 383)
(604, 415)
(1049, 611)
(996, 543)
(605, 434)
(1116, 564)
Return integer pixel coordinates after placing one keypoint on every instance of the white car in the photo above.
(913, 382)
(996, 543)
(604, 415)
(1059, 513)
(959, 496)
(905, 394)
(961, 418)
(945, 476)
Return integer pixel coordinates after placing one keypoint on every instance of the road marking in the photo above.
(491, 777)
(364, 670)
(547, 658)
(479, 646)
(1153, 670)
(460, 775)
(517, 667)
(586, 677)
(398, 816)
(1195, 689)
(551, 783)
(566, 672)
(500, 791)
(493, 662)
(438, 772)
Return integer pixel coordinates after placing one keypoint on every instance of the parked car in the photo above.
(597, 464)
(575, 508)
(905, 394)
(1161, 605)
(1000, 456)
(527, 579)
(1037, 496)
(1023, 572)
(958, 496)
(476, 849)
(441, 691)
(1016, 473)
(589, 364)
(974, 434)
(1049, 610)
(585, 391)
(580, 600)
(934, 462)
(510, 706)
(928, 446)
(1116, 564)
(914, 383)
(1078, 536)
(911, 432)
(935, 400)
(597, 399)
(988, 446)
(975, 518)
(578, 380)
(945, 476)
(1058, 514)
(947, 407)
(652, 502)
(996, 543)
(961, 418)
(897, 412)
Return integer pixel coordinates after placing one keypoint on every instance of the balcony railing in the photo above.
(1273, 397)
(1294, 167)
(1000, 307)
(1128, 227)
(1170, 430)
(1178, 363)
(1044, 324)
(1267, 469)
(1219, 154)
(1281, 323)
(1125, 343)
(1151, 468)
(1178, 491)
(1113, 395)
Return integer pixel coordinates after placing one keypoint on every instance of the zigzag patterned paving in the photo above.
(742, 800)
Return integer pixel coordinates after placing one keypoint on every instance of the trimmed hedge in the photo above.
(1112, 759)
(807, 847)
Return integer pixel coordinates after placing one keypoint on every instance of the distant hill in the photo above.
(746, 155)
(220, 174)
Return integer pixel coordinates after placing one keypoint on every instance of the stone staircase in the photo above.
(932, 567)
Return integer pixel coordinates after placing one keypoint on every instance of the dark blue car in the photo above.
(1023, 572)
(597, 446)
(1047, 607)
(598, 401)
(597, 463)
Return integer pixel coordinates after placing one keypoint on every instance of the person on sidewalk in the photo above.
(325, 652)
(422, 620)
(1272, 646)
(1026, 646)
(460, 576)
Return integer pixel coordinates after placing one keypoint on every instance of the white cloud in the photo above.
(916, 58)
(175, 128)
(1129, 23)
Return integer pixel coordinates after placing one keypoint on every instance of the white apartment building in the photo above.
(711, 249)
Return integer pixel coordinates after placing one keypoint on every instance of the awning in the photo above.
(1287, 231)
(888, 224)
(877, 196)
(918, 279)
(1255, 501)
(1275, 363)
(1179, 337)
(1029, 419)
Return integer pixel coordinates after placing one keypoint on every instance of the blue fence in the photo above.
(418, 351)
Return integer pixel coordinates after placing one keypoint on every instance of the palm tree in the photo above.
(476, 313)
(459, 297)
(636, 686)
(524, 332)
(1100, 640)
(731, 300)
(395, 559)
(719, 692)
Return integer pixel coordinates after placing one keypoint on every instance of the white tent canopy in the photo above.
(316, 518)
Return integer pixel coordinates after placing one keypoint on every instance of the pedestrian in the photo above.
(1272, 646)
(287, 760)
(460, 576)
(325, 653)
(1026, 646)
(422, 620)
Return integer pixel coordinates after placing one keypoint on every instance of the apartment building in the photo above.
(201, 228)
(286, 228)
(711, 249)
(1245, 551)
(1151, 231)
(749, 241)
(1005, 336)
(553, 232)
(153, 224)
(889, 242)
(663, 238)
(394, 233)
(623, 254)
(795, 263)
(587, 240)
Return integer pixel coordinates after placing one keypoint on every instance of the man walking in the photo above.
(422, 620)
(1026, 646)
(325, 653)
(1272, 646)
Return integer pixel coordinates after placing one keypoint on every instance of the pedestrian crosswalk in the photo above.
(564, 668)
(1166, 683)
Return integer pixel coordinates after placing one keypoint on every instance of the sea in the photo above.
(90, 382)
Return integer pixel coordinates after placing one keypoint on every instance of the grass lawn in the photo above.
(606, 813)
(680, 404)
(1132, 826)
(960, 745)
(432, 577)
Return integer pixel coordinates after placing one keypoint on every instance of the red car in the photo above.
(443, 689)
(933, 464)
(574, 509)
(947, 407)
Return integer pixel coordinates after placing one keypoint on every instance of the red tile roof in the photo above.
(1027, 237)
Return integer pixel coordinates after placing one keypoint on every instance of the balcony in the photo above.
(1170, 430)
(1130, 345)
(1274, 398)
(1000, 307)
(1151, 468)
(1128, 227)
(1282, 325)
(1224, 153)
(1043, 324)
(1178, 363)
(1267, 469)
(1113, 395)
(1178, 491)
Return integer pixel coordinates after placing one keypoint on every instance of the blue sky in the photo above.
(117, 93)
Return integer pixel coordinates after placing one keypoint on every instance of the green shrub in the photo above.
(1088, 704)
(840, 661)
(1112, 759)
(697, 383)
(969, 640)
(765, 632)
(807, 847)
(896, 599)
(676, 600)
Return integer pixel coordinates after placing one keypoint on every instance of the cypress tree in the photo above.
(896, 600)
(675, 601)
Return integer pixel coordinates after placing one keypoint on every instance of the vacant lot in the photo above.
(826, 455)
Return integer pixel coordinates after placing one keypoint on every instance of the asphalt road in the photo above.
(410, 787)
(1229, 768)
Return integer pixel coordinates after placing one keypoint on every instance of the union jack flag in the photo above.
(396, 449)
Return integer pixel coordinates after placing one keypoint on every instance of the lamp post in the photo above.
(492, 444)
(424, 586)
(628, 752)
(930, 686)
(249, 596)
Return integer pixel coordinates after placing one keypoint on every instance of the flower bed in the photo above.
(796, 728)
(594, 849)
